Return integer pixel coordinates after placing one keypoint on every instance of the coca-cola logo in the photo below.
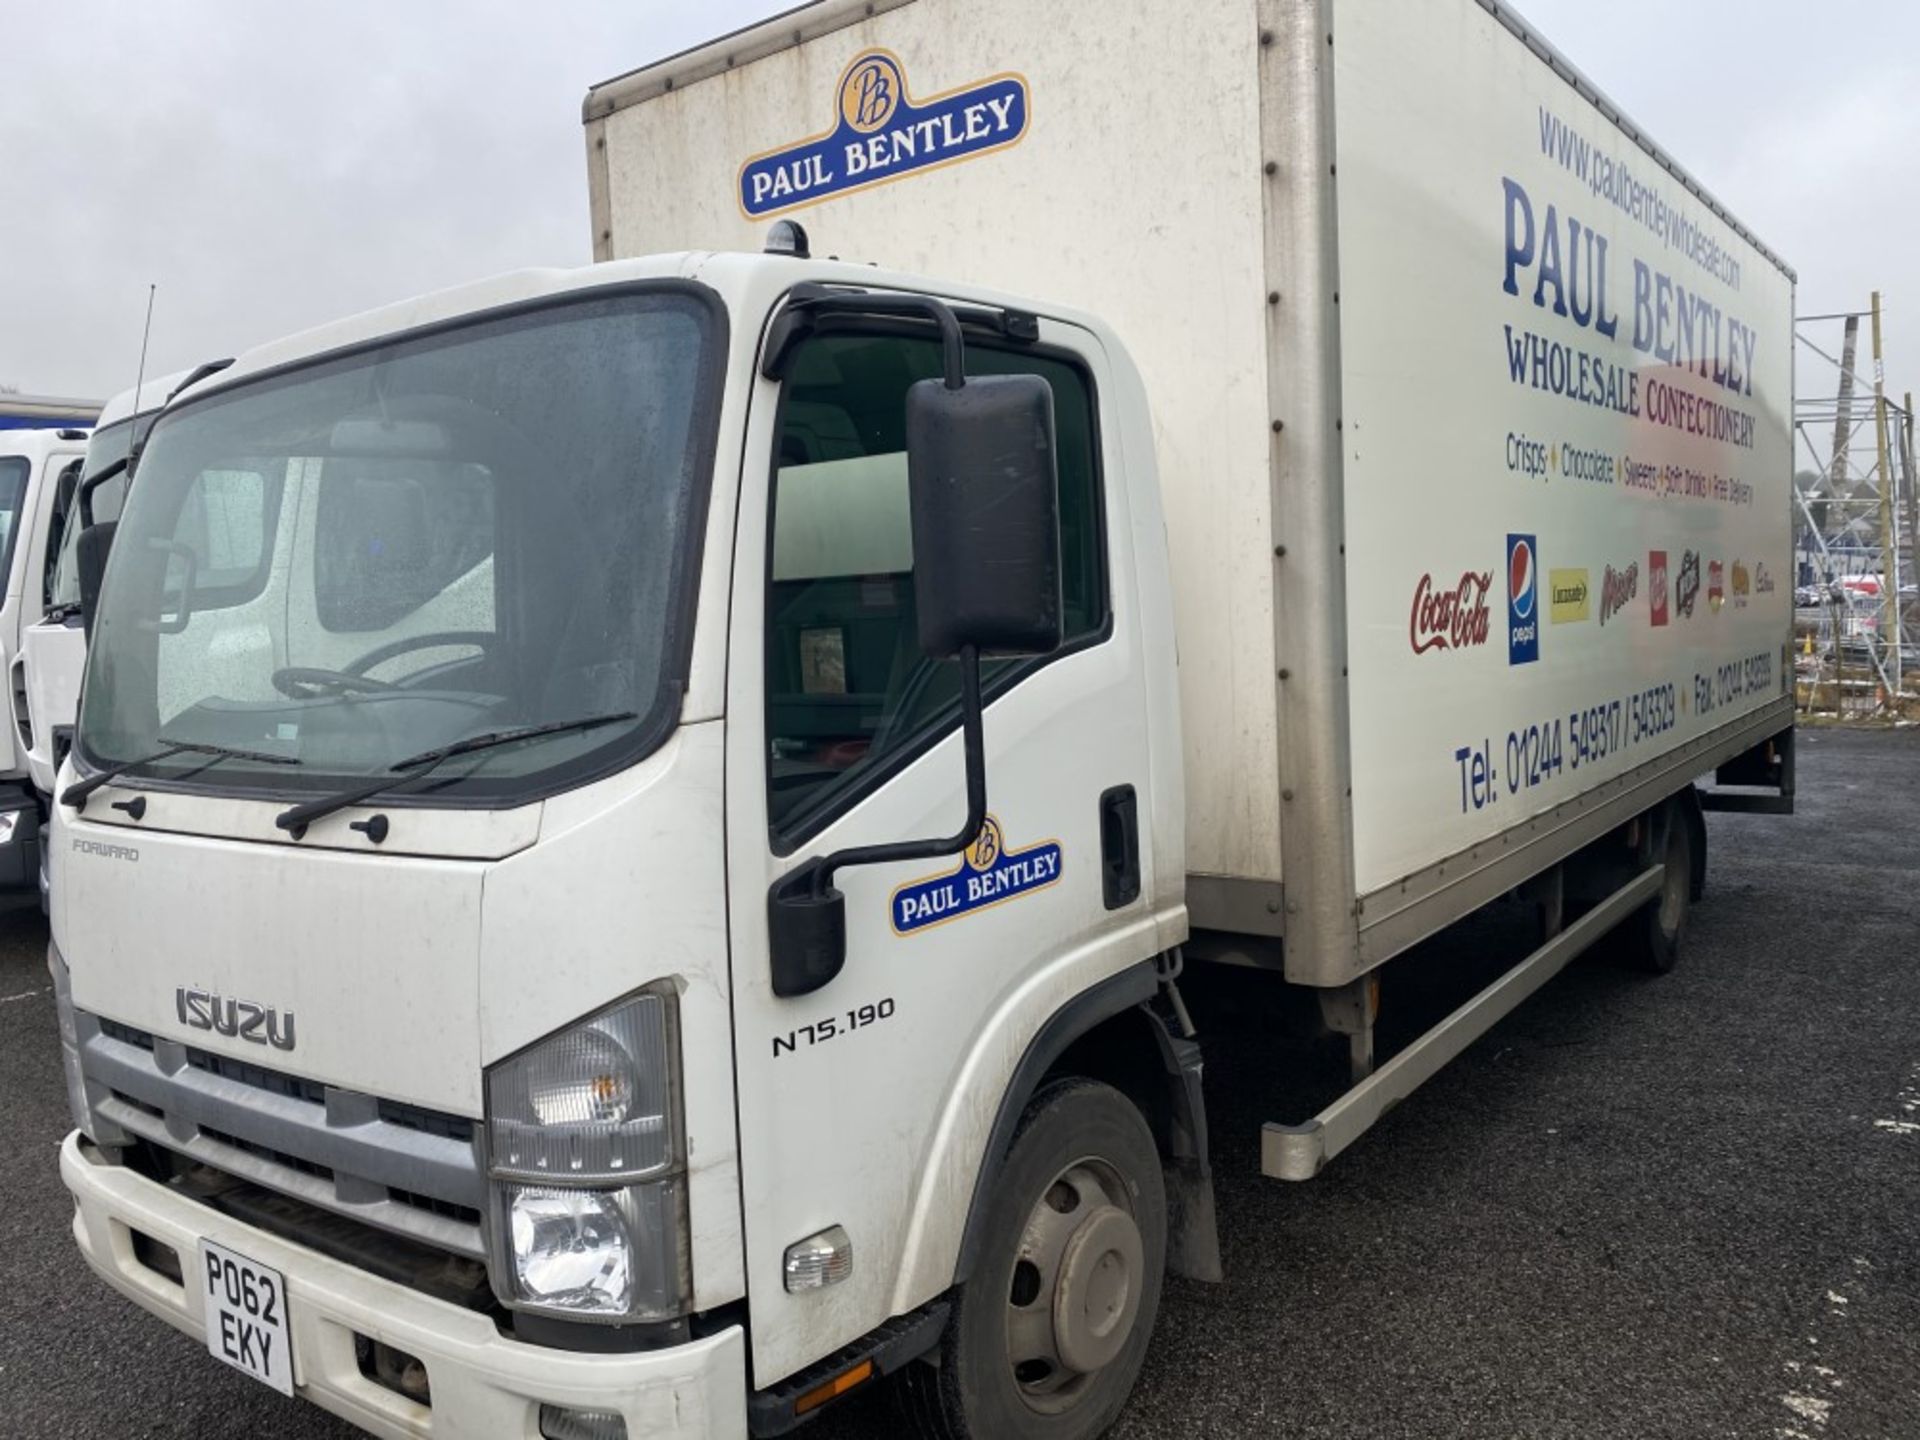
(1617, 587)
(1450, 619)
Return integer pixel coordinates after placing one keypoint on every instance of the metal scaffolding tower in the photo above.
(1857, 531)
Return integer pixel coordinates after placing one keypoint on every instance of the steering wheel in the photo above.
(310, 682)
(483, 639)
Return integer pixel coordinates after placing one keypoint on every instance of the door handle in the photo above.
(1119, 847)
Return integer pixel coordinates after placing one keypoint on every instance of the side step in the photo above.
(1299, 1152)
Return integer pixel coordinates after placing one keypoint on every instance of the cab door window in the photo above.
(850, 696)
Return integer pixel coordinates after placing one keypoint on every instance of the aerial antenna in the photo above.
(140, 377)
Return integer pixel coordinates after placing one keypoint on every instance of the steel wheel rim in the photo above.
(1074, 1296)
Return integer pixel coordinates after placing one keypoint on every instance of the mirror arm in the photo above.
(973, 736)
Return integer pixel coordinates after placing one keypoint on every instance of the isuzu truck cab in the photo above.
(405, 735)
(633, 834)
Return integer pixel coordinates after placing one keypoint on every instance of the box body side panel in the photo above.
(1566, 445)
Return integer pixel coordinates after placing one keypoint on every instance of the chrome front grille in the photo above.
(397, 1167)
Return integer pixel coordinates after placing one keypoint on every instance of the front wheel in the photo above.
(1048, 1334)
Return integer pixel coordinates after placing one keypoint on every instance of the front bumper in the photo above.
(483, 1383)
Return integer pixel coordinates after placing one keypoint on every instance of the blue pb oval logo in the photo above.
(871, 92)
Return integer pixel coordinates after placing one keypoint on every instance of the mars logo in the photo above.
(1657, 585)
(1617, 587)
(1686, 585)
(880, 133)
(1523, 601)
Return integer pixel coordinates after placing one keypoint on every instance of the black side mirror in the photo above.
(63, 494)
(985, 498)
(90, 555)
(984, 501)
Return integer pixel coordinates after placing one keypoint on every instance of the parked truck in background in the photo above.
(53, 649)
(633, 834)
(39, 469)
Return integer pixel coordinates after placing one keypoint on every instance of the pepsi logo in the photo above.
(1523, 600)
(1522, 577)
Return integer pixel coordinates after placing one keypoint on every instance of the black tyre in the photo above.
(1650, 940)
(1048, 1335)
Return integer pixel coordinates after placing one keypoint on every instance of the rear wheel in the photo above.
(1650, 940)
(1048, 1334)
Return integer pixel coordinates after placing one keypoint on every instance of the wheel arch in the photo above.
(1110, 1033)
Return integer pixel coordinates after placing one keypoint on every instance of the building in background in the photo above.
(45, 412)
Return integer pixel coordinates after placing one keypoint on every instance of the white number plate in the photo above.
(247, 1316)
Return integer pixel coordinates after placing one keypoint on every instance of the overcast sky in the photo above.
(275, 165)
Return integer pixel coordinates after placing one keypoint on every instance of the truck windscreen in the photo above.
(478, 528)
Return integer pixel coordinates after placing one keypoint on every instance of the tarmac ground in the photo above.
(1639, 1208)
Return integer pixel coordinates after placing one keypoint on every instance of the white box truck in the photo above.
(633, 834)
(39, 468)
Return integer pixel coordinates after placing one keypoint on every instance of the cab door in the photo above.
(866, 1104)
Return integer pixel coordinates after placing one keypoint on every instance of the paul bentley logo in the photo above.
(1569, 596)
(1686, 585)
(1657, 585)
(1617, 587)
(988, 874)
(882, 134)
(1450, 619)
(1523, 601)
(1716, 586)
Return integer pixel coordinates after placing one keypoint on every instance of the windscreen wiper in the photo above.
(296, 819)
(76, 794)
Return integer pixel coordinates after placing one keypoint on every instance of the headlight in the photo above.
(587, 1162)
(572, 1249)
